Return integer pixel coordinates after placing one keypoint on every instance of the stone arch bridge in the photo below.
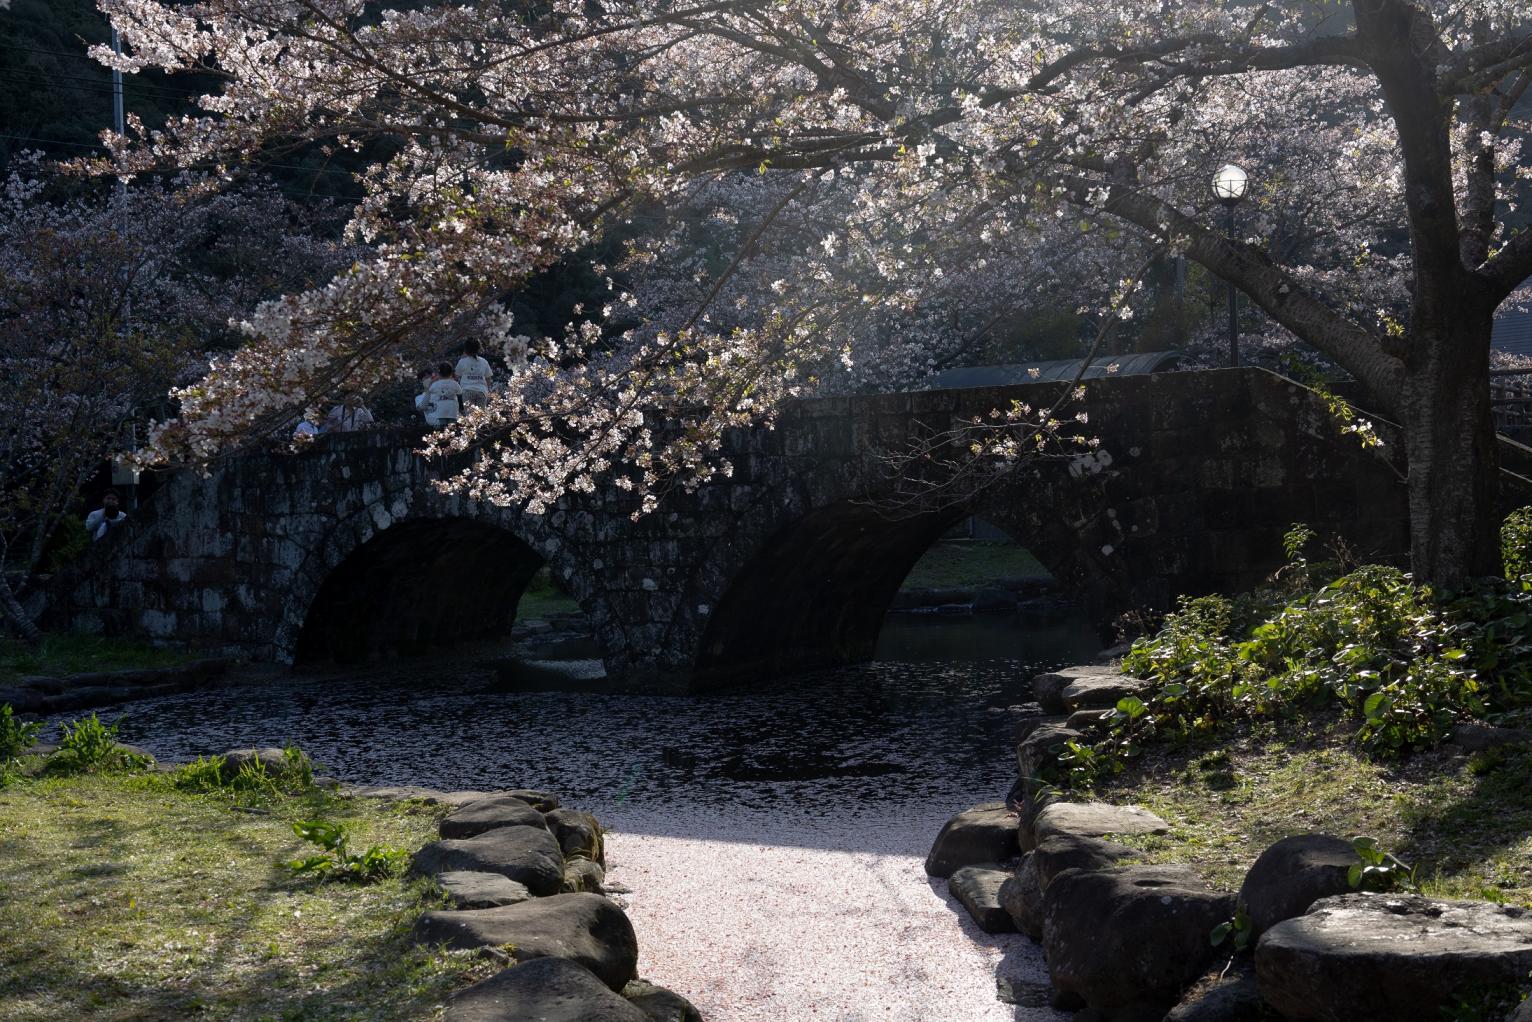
(347, 550)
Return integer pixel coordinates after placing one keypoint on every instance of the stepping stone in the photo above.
(1399, 957)
(1292, 874)
(978, 888)
(1022, 898)
(659, 1004)
(583, 875)
(539, 800)
(1101, 693)
(490, 814)
(528, 855)
(578, 833)
(467, 889)
(545, 990)
(1095, 819)
(983, 834)
(1129, 941)
(1058, 852)
(587, 929)
(1048, 688)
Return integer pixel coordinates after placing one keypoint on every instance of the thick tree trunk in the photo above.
(1452, 453)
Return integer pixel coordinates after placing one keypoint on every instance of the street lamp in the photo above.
(1229, 186)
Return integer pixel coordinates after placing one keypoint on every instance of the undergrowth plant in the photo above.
(16, 737)
(1402, 662)
(212, 773)
(89, 746)
(337, 862)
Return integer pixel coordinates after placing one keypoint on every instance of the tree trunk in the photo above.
(1452, 453)
(11, 607)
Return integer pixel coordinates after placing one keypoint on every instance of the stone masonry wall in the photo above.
(788, 563)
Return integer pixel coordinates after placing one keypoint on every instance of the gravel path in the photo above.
(765, 919)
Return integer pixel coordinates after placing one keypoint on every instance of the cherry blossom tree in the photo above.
(104, 305)
(918, 152)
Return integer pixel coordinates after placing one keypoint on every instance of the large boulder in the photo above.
(272, 760)
(659, 1004)
(490, 814)
(578, 833)
(1022, 898)
(978, 889)
(1396, 957)
(1100, 691)
(1293, 874)
(587, 929)
(1129, 941)
(1058, 852)
(1048, 688)
(985, 833)
(584, 875)
(539, 800)
(1094, 820)
(528, 855)
(1037, 754)
(466, 889)
(541, 990)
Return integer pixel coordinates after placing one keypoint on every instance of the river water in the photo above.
(772, 836)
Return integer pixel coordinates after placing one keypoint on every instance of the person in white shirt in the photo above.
(472, 375)
(349, 415)
(107, 517)
(423, 399)
(442, 397)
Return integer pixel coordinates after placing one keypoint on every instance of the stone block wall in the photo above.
(788, 563)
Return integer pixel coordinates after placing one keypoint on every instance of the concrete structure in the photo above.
(350, 551)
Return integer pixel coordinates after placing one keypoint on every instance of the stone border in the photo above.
(526, 883)
(1127, 940)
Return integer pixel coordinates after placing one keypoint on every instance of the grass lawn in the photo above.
(70, 653)
(956, 564)
(543, 599)
(123, 897)
(1465, 823)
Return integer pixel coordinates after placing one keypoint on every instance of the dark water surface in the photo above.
(920, 725)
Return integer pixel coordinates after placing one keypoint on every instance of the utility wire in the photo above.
(255, 163)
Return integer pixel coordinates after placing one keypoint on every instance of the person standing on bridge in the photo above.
(473, 375)
(442, 396)
(107, 517)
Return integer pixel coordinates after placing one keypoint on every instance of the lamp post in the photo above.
(1229, 186)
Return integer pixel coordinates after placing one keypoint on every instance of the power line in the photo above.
(99, 146)
(38, 76)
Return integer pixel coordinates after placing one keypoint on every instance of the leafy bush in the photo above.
(296, 775)
(337, 861)
(16, 737)
(89, 746)
(1401, 662)
(1516, 545)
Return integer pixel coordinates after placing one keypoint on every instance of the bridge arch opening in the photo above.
(817, 594)
(416, 585)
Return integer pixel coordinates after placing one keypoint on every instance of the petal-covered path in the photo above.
(812, 916)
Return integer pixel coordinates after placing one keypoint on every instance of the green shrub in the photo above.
(1402, 663)
(1516, 544)
(16, 737)
(89, 746)
(295, 776)
(337, 861)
